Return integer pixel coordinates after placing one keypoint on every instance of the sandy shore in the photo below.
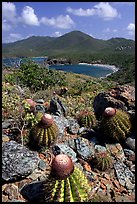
(111, 67)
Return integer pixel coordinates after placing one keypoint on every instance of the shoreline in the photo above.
(111, 67)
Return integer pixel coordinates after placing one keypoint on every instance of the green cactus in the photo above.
(73, 187)
(115, 124)
(44, 132)
(102, 161)
(86, 118)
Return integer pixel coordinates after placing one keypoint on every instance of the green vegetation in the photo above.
(79, 47)
(81, 91)
(69, 189)
(74, 42)
(43, 133)
(35, 77)
(102, 161)
(115, 124)
(86, 118)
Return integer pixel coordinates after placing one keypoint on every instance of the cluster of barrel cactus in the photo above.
(115, 124)
(66, 183)
(44, 132)
(102, 161)
(86, 118)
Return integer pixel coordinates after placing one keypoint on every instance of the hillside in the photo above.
(75, 42)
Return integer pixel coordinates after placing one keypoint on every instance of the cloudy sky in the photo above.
(101, 20)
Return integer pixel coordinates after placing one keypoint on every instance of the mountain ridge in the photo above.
(74, 41)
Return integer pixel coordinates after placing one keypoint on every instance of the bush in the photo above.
(38, 78)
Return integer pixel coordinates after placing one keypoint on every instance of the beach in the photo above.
(111, 67)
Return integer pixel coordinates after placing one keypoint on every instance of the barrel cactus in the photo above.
(44, 132)
(86, 118)
(66, 182)
(102, 161)
(115, 124)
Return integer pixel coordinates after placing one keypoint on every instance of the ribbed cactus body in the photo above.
(117, 126)
(44, 133)
(102, 161)
(44, 136)
(74, 188)
(86, 119)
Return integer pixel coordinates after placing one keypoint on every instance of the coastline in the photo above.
(111, 67)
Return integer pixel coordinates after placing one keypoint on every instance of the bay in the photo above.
(94, 70)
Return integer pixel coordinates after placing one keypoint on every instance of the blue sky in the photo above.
(101, 20)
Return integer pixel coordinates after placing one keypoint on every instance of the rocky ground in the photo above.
(24, 170)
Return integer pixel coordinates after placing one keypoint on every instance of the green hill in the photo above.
(74, 42)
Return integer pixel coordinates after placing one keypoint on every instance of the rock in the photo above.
(123, 198)
(57, 107)
(5, 138)
(40, 108)
(129, 185)
(94, 140)
(99, 148)
(82, 147)
(132, 168)
(62, 124)
(128, 163)
(81, 129)
(129, 154)
(73, 127)
(5, 198)
(35, 175)
(16, 200)
(11, 190)
(6, 125)
(104, 100)
(17, 161)
(41, 101)
(116, 151)
(122, 97)
(33, 191)
(42, 165)
(65, 149)
(130, 142)
(123, 173)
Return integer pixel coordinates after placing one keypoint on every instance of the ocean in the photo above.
(94, 70)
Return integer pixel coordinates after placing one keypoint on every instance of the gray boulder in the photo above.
(17, 161)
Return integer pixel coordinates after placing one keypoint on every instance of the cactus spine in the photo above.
(115, 124)
(44, 132)
(102, 161)
(86, 118)
(74, 187)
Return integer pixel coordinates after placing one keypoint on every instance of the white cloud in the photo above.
(60, 21)
(56, 34)
(131, 28)
(5, 25)
(102, 9)
(81, 12)
(106, 11)
(13, 37)
(29, 17)
(9, 18)
(8, 11)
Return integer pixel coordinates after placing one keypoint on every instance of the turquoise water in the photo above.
(90, 70)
